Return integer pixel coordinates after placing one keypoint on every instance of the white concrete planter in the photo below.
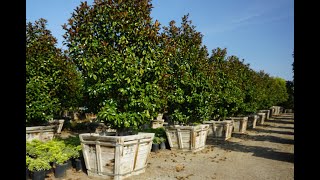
(58, 123)
(115, 157)
(288, 111)
(219, 130)
(261, 118)
(239, 124)
(187, 138)
(275, 110)
(157, 123)
(42, 133)
(267, 112)
(252, 121)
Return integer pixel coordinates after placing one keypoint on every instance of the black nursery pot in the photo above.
(39, 175)
(69, 166)
(155, 147)
(27, 174)
(60, 170)
(78, 164)
(163, 145)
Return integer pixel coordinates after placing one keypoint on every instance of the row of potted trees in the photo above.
(193, 138)
(128, 73)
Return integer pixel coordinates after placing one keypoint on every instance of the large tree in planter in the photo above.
(115, 45)
(244, 76)
(188, 88)
(228, 94)
(277, 91)
(289, 104)
(273, 90)
(52, 82)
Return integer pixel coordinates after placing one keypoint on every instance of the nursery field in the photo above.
(266, 152)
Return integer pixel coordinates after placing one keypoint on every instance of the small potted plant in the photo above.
(61, 164)
(73, 149)
(155, 144)
(37, 167)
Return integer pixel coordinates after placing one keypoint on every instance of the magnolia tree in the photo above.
(242, 75)
(239, 89)
(115, 45)
(52, 82)
(229, 96)
(188, 89)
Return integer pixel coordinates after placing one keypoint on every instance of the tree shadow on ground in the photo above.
(283, 117)
(257, 151)
(274, 126)
(280, 121)
(283, 127)
(273, 131)
(273, 139)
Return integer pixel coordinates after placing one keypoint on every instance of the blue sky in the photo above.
(259, 31)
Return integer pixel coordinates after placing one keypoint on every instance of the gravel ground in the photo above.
(266, 152)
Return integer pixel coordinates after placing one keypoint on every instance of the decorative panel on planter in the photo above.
(240, 124)
(261, 118)
(187, 138)
(252, 121)
(219, 130)
(115, 157)
(267, 112)
(42, 133)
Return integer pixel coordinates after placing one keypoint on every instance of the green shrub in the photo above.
(37, 164)
(56, 150)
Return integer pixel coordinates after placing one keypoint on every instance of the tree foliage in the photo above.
(241, 90)
(115, 45)
(52, 82)
(188, 87)
(225, 86)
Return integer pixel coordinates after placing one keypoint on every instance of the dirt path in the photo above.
(266, 152)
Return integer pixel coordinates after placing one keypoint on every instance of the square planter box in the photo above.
(239, 124)
(252, 121)
(219, 130)
(115, 157)
(42, 133)
(275, 110)
(288, 111)
(58, 124)
(261, 118)
(158, 122)
(187, 138)
(267, 112)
